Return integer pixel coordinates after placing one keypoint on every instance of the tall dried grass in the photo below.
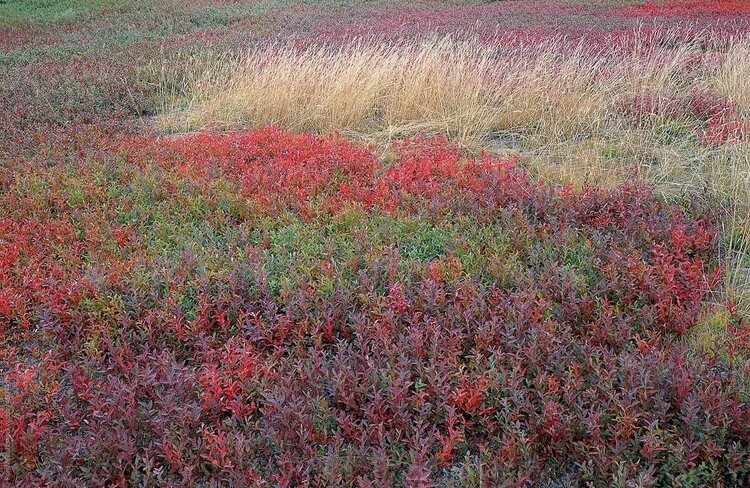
(465, 90)
(731, 77)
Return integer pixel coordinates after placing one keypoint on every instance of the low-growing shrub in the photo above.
(273, 309)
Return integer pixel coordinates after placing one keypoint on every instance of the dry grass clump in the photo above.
(732, 76)
(466, 90)
(731, 183)
(462, 89)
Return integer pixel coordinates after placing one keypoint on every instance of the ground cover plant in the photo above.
(270, 307)
(338, 243)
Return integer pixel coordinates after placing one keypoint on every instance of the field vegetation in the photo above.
(339, 243)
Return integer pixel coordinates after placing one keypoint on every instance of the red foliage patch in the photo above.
(693, 8)
(407, 367)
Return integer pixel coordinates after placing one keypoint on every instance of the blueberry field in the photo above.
(384, 243)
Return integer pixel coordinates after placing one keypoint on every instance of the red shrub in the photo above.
(693, 9)
(272, 308)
